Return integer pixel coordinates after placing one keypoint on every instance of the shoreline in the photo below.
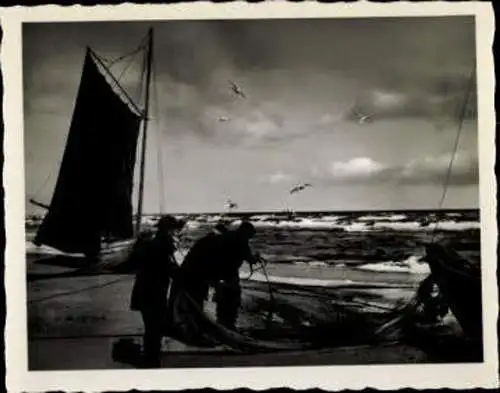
(77, 330)
(313, 212)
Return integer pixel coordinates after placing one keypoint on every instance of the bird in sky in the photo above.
(223, 118)
(230, 205)
(237, 90)
(300, 187)
(362, 118)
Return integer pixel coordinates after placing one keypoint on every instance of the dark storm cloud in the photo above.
(188, 52)
(348, 43)
(439, 99)
(416, 58)
(247, 43)
(423, 59)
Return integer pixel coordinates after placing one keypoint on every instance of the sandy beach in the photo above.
(74, 322)
(332, 289)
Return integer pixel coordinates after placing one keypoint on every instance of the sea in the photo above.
(330, 248)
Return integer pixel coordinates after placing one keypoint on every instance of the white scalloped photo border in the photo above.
(458, 376)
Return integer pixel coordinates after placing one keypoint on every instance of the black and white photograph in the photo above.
(258, 192)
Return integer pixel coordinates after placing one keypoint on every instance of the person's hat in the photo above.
(168, 223)
(247, 229)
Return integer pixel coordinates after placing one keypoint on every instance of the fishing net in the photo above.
(284, 316)
(292, 317)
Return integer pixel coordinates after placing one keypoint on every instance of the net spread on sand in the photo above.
(293, 318)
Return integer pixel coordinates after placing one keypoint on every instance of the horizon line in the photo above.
(258, 212)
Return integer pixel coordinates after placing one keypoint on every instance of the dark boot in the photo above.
(152, 339)
(228, 300)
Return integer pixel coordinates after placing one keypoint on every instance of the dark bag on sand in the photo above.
(126, 350)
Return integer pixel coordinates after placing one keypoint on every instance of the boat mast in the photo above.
(149, 61)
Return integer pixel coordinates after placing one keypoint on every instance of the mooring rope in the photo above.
(272, 299)
(455, 147)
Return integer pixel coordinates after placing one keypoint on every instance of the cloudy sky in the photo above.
(307, 85)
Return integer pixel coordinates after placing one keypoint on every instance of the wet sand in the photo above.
(95, 354)
(73, 323)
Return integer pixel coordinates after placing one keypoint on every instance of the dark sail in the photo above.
(93, 193)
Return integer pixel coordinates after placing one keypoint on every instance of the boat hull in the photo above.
(51, 265)
(460, 283)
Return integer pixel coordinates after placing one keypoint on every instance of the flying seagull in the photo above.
(237, 90)
(361, 117)
(300, 187)
(230, 205)
(223, 118)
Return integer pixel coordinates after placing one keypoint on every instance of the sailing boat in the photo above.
(91, 210)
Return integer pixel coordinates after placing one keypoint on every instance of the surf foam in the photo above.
(314, 282)
(411, 265)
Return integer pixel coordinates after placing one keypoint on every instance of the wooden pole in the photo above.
(149, 61)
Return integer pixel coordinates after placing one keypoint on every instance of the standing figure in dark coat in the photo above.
(215, 261)
(149, 294)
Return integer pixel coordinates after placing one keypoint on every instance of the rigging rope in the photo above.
(142, 78)
(125, 69)
(141, 46)
(455, 146)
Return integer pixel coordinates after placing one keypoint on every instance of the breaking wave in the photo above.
(315, 282)
(395, 217)
(364, 226)
(349, 222)
(320, 245)
(411, 265)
